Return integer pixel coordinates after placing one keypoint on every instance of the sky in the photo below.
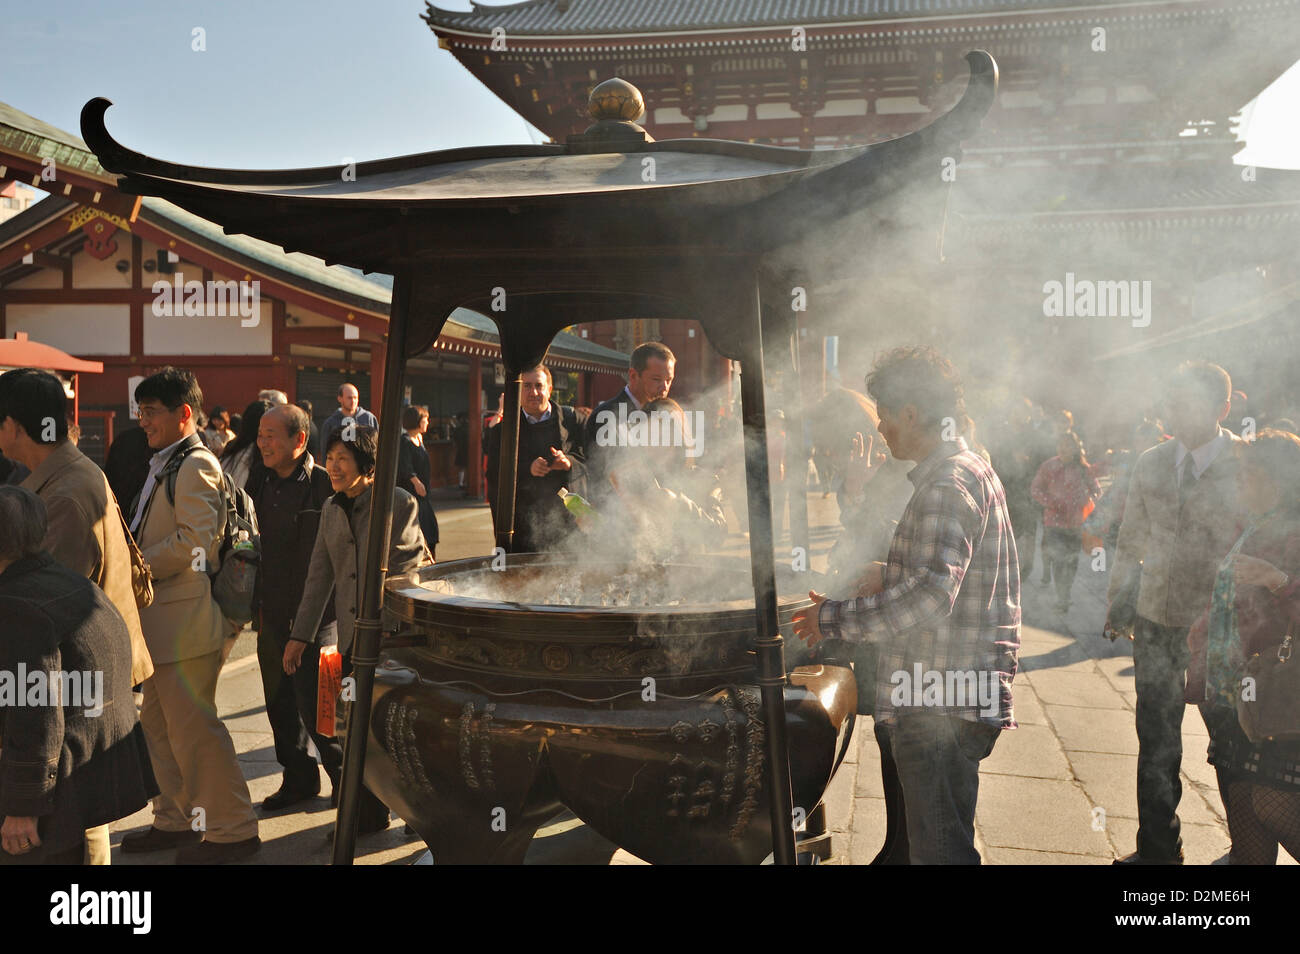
(292, 83)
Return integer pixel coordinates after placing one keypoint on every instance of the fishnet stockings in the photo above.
(1259, 818)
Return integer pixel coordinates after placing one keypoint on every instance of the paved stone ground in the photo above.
(1061, 789)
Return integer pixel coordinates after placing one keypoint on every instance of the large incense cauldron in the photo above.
(626, 693)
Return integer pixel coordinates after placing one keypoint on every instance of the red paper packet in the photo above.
(329, 683)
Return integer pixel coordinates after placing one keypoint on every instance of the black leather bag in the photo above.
(1271, 711)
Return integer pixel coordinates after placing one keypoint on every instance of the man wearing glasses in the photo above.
(204, 808)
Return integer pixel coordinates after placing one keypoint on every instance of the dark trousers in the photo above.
(291, 710)
(937, 759)
(895, 850)
(1160, 657)
(1061, 548)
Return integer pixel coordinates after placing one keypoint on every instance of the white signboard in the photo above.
(131, 384)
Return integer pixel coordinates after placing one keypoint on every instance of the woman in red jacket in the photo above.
(1067, 489)
(1256, 603)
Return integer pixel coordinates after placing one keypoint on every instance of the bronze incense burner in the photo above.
(494, 708)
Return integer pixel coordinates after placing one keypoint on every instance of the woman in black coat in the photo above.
(413, 471)
(72, 753)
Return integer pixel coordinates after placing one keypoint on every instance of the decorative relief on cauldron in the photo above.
(483, 652)
(732, 765)
(627, 662)
(755, 733)
(681, 731)
(399, 731)
(556, 658)
(708, 731)
(483, 778)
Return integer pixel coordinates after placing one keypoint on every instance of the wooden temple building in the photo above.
(78, 272)
(1108, 156)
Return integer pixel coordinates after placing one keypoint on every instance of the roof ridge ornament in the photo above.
(615, 105)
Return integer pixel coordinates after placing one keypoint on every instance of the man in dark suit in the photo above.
(551, 457)
(649, 378)
(288, 495)
(1180, 519)
(75, 761)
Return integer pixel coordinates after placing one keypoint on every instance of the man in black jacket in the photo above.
(72, 753)
(288, 495)
(649, 378)
(551, 456)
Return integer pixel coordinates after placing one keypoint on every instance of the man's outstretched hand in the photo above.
(806, 625)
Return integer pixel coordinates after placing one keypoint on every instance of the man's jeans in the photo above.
(938, 760)
(1160, 657)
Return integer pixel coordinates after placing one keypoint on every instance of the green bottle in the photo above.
(575, 504)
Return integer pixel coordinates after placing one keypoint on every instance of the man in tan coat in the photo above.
(179, 521)
(85, 532)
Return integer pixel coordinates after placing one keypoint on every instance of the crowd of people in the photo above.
(1199, 529)
(114, 571)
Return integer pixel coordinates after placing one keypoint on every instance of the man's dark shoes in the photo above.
(218, 853)
(288, 795)
(155, 839)
(1137, 859)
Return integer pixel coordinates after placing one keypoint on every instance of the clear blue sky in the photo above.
(287, 83)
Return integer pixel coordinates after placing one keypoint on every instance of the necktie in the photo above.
(1187, 481)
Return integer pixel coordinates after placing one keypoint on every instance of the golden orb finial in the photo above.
(615, 99)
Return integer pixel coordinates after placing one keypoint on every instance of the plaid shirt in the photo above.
(948, 621)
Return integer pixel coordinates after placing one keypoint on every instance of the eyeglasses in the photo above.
(149, 413)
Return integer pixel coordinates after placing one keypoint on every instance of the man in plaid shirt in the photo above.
(943, 612)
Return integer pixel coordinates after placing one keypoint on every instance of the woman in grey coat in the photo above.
(338, 563)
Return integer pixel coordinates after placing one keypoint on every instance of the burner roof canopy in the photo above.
(611, 211)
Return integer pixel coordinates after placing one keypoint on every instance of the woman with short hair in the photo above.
(338, 564)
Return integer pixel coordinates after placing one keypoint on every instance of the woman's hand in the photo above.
(419, 487)
(18, 834)
(1252, 571)
(862, 465)
(806, 624)
(293, 655)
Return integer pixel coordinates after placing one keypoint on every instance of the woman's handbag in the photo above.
(141, 578)
(1268, 706)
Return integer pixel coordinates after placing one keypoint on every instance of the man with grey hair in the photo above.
(273, 397)
(77, 760)
(288, 494)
